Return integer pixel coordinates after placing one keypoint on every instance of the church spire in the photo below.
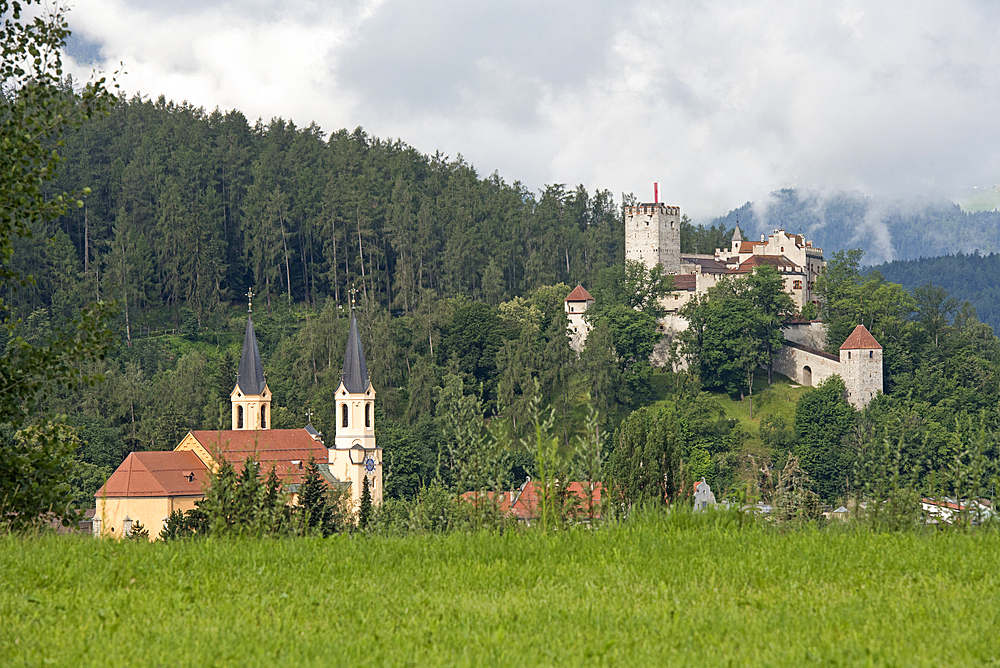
(737, 235)
(250, 398)
(355, 372)
(251, 376)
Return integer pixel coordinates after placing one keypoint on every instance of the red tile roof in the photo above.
(268, 447)
(684, 281)
(153, 474)
(527, 501)
(579, 294)
(860, 338)
(778, 261)
(747, 246)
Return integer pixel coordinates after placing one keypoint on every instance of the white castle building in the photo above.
(652, 237)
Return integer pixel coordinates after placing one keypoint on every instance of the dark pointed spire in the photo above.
(737, 236)
(251, 377)
(355, 372)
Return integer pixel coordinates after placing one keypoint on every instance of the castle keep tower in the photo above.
(861, 367)
(251, 398)
(354, 453)
(653, 235)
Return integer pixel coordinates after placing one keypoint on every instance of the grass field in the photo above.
(661, 591)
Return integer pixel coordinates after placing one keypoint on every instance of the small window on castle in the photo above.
(368, 416)
(343, 415)
(871, 354)
(848, 354)
(647, 223)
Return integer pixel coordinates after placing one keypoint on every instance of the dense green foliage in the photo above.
(735, 328)
(190, 208)
(36, 448)
(974, 278)
(668, 590)
(646, 462)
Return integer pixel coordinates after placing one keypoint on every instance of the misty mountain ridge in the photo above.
(885, 229)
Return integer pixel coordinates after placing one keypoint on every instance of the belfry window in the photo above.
(263, 417)
(239, 417)
(368, 416)
(343, 415)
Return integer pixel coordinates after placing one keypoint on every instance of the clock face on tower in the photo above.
(370, 464)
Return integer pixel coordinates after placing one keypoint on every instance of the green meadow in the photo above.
(660, 590)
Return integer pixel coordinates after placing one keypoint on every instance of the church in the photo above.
(148, 486)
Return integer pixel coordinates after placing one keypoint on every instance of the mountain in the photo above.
(885, 229)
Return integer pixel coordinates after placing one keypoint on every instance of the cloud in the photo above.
(719, 102)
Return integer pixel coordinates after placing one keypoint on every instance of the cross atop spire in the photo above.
(353, 291)
(250, 300)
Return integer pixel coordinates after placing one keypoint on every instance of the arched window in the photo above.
(263, 417)
(239, 417)
(368, 415)
(343, 415)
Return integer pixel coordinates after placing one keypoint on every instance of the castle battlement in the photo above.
(649, 208)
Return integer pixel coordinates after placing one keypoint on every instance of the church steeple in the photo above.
(251, 398)
(355, 371)
(354, 454)
(251, 375)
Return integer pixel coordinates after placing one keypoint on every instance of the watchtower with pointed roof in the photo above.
(354, 453)
(861, 366)
(251, 398)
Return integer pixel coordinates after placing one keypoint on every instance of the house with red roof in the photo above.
(579, 499)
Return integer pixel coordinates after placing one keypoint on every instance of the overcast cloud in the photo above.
(720, 102)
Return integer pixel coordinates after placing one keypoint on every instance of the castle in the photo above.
(148, 486)
(652, 237)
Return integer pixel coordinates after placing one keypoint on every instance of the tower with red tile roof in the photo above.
(576, 304)
(861, 366)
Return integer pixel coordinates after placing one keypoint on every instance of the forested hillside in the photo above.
(460, 284)
(973, 277)
(886, 229)
(190, 208)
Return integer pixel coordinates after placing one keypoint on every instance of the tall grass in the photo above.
(662, 589)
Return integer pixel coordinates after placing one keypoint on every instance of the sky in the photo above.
(720, 102)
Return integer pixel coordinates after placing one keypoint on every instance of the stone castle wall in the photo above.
(805, 367)
(812, 334)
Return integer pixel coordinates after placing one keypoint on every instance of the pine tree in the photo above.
(365, 512)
